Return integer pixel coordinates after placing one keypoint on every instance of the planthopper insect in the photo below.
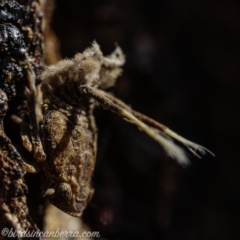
(71, 90)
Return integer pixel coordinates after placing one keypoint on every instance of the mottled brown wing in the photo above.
(70, 160)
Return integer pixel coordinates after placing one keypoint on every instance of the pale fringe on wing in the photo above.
(169, 146)
(155, 130)
(193, 147)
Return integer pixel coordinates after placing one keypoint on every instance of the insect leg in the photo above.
(24, 132)
(38, 152)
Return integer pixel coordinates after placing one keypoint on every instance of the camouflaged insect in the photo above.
(71, 89)
(69, 131)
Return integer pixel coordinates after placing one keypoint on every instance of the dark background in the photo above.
(182, 69)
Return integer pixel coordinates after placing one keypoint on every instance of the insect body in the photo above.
(71, 89)
(70, 142)
(69, 131)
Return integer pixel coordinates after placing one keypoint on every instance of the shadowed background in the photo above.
(182, 69)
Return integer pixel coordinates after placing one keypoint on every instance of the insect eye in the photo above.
(79, 204)
(79, 200)
(64, 191)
